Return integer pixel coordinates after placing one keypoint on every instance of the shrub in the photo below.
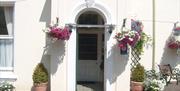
(138, 73)
(40, 74)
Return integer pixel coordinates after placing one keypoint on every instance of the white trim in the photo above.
(6, 37)
(7, 2)
(72, 43)
(7, 76)
(97, 7)
(7, 73)
(91, 26)
(71, 62)
(6, 68)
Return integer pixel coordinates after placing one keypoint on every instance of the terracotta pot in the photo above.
(40, 87)
(136, 86)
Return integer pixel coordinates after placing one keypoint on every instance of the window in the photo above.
(88, 46)
(6, 38)
(90, 18)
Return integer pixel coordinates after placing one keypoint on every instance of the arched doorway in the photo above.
(72, 45)
(90, 52)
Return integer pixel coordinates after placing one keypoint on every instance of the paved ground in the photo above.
(90, 87)
(99, 87)
(172, 87)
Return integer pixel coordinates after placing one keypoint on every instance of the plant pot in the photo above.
(40, 87)
(137, 86)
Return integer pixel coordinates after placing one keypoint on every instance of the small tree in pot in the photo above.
(137, 78)
(40, 78)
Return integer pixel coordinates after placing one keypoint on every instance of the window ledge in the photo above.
(7, 76)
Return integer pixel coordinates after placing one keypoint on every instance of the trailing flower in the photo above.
(57, 32)
(134, 37)
(127, 37)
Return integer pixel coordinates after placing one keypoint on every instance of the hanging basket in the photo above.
(129, 37)
(174, 40)
(57, 32)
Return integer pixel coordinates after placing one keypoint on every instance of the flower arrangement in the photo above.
(133, 37)
(174, 40)
(153, 85)
(127, 36)
(153, 81)
(58, 32)
(6, 86)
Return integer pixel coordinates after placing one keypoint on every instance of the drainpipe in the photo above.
(153, 27)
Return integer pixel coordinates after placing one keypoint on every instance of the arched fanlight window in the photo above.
(91, 18)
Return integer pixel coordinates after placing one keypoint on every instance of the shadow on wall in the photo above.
(170, 56)
(53, 56)
(46, 18)
(46, 13)
(116, 61)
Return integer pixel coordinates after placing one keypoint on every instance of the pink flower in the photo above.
(122, 45)
(177, 29)
(173, 45)
(59, 33)
(128, 37)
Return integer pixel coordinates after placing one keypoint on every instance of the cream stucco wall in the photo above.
(31, 16)
(169, 15)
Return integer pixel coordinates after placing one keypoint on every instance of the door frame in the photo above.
(71, 44)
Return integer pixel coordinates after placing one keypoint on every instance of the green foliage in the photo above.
(138, 73)
(6, 86)
(40, 74)
(140, 44)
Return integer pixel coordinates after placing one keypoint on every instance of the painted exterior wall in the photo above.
(31, 16)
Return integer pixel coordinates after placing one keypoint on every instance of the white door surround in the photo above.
(72, 43)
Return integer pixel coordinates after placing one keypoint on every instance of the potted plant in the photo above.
(137, 78)
(40, 78)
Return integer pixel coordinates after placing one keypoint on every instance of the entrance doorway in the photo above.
(90, 58)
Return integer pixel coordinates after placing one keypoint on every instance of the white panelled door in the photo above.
(90, 63)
